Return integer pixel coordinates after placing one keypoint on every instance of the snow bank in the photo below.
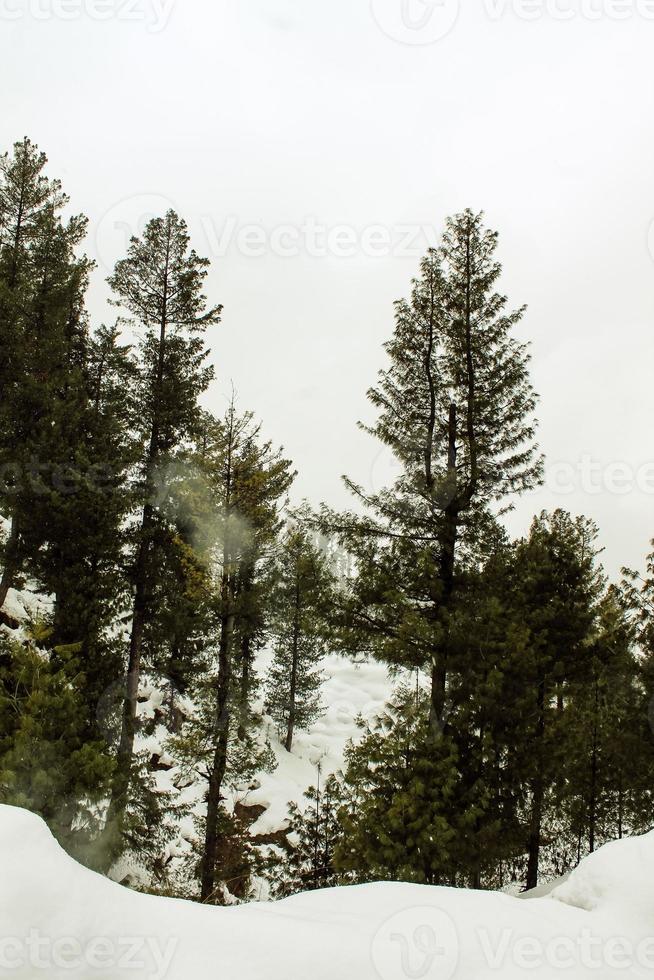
(617, 880)
(59, 920)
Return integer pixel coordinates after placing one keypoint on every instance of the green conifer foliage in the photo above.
(301, 599)
(456, 409)
(159, 284)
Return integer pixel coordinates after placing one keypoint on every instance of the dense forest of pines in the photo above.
(165, 550)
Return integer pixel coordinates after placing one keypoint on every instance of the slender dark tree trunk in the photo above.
(538, 796)
(316, 839)
(292, 703)
(120, 788)
(219, 762)
(223, 696)
(533, 862)
(244, 693)
(594, 769)
(446, 570)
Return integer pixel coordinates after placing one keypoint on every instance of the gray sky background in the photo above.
(372, 122)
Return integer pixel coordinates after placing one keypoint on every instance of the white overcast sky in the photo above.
(355, 115)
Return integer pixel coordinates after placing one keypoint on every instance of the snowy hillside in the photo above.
(60, 920)
(350, 692)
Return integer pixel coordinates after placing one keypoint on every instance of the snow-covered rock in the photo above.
(59, 920)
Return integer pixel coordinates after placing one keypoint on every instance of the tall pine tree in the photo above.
(159, 283)
(301, 602)
(456, 409)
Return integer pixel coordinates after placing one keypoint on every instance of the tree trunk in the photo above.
(219, 763)
(290, 731)
(244, 693)
(533, 863)
(538, 796)
(222, 715)
(594, 768)
(440, 666)
(447, 560)
(120, 787)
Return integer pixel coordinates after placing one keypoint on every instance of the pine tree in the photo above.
(48, 763)
(399, 788)
(487, 641)
(633, 772)
(315, 832)
(555, 589)
(456, 409)
(301, 601)
(159, 283)
(243, 482)
(42, 335)
(607, 764)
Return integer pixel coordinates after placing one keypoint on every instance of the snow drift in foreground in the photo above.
(59, 920)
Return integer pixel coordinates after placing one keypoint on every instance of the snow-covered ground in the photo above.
(351, 692)
(60, 920)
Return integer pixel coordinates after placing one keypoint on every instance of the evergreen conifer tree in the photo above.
(48, 762)
(555, 586)
(42, 336)
(456, 409)
(301, 601)
(399, 789)
(238, 490)
(316, 833)
(160, 284)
